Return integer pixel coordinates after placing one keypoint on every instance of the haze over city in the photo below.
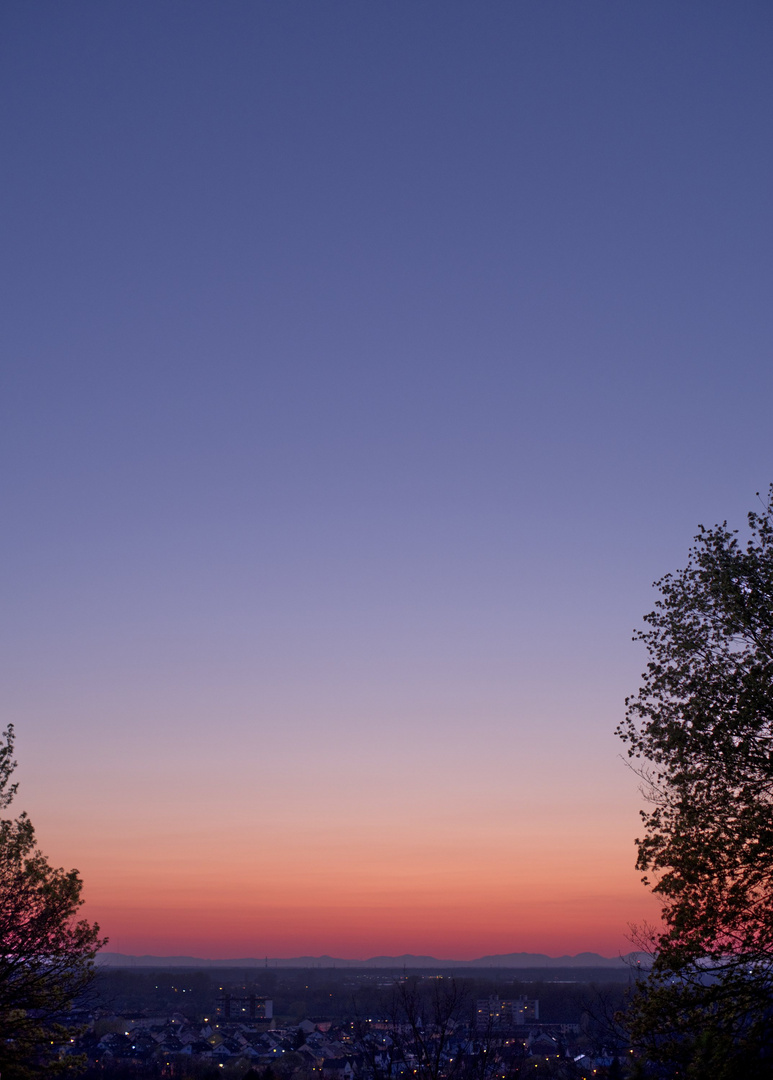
(364, 364)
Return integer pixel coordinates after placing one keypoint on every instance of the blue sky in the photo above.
(364, 363)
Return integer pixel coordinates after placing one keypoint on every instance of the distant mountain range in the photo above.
(505, 960)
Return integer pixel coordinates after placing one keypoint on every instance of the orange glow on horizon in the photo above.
(248, 869)
(355, 918)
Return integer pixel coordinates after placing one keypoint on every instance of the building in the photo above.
(496, 1012)
(252, 1007)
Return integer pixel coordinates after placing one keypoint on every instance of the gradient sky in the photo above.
(363, 363)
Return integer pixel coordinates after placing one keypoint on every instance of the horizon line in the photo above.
(525, 959)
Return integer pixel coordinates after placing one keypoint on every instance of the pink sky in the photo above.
(179, 865)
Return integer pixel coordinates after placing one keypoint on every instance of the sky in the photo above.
(363, 364)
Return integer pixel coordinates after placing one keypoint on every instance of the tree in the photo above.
(700, 734)
(46, 953)
(422, 1029)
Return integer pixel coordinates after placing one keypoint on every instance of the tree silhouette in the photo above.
(700, 735)
(46, 953)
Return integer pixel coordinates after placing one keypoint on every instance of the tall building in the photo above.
(252, 1007)
(497, 1012)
